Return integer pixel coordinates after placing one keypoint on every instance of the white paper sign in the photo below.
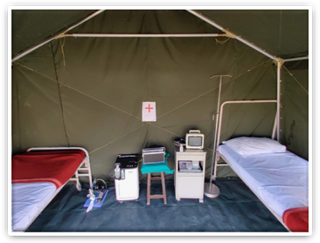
(149, 111)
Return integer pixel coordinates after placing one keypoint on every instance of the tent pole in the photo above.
(142, 35)
(274, 126)
(279, 64)
(47, 41)
(30, 50)
(296, 59)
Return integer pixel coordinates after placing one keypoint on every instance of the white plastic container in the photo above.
(181, 148)
(117, 171)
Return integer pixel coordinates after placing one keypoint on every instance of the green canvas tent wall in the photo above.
(88, 91)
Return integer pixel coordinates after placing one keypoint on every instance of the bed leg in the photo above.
(78, 186)
(87, 165)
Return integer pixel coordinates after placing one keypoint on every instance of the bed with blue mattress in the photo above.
(276, 176)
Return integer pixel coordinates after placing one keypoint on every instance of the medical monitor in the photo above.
(153, 155)
(194, 140)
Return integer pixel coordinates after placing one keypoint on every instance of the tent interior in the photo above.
(73, 90)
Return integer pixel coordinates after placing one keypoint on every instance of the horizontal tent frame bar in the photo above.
(142, 35)
(296, 59)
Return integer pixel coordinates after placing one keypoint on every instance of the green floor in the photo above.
(237, 209)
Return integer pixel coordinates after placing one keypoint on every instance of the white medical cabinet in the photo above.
(189, 174)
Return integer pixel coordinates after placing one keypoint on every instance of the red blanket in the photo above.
(296, 219)
(46, 166)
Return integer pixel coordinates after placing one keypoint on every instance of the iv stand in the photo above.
(211, 190)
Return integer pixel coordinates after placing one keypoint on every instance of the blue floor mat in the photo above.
(237, 209)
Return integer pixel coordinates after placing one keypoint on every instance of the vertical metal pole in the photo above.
(215, 134)
(275, 125)
(209, 191)
(279, 64)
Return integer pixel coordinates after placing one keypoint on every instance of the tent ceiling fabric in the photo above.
(88, 92)
(146, 22)
(283, 33)
(32, 27)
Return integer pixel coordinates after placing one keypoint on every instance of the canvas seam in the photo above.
(296, 80)
(59, 93)
(65, 85)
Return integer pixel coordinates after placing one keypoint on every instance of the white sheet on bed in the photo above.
(27, 200)
(280, 179)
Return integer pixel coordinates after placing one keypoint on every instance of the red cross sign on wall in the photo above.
(149, 108)
(149, 111)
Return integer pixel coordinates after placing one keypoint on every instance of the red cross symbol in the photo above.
(149, 108)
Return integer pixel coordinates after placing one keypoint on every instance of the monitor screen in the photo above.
(195, 141)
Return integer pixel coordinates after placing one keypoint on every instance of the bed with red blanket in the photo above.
(39, 174)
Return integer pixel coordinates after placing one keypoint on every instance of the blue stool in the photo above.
(156, 168)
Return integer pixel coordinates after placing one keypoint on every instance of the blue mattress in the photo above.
(279, 179)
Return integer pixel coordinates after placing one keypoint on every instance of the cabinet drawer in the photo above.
(186, 174)
(190, 157)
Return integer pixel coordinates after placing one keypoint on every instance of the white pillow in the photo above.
(247, 146)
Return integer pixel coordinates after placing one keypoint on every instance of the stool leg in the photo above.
(163, 188)
(148, 188)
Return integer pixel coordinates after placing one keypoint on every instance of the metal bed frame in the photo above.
(218, 155)
(84, 166)
(83, 170)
